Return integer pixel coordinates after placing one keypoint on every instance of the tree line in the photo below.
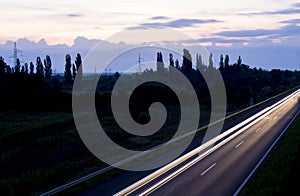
(244, 85)
(42, 69)
(32, 85)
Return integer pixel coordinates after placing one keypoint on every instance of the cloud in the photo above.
(286, 31)
(210, 39)
(180, 23)
(293, 21)
(285, 12)
(159, 18)
(74, 15)
(247, 33)
(279, 12)
(137, 27)
(82, 43)
(221, 40)
(290, 30)
(296, 5)
(289, 11)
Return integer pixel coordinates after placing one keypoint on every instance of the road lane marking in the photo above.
(252, 120)
(239, 144)
(203, 173)
(257, 129)
(265, 155)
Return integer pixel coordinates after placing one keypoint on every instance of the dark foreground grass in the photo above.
(39, 151)
(279, 173)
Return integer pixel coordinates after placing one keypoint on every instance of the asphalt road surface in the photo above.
(223, 171)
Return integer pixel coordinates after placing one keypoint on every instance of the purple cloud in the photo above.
(279, 12)
(247, 33)
(74, 15)
(159, 18)
(288, 30)
(297, 5)
(289, 11)
(221, 40)
(180, 23)
(293, 21)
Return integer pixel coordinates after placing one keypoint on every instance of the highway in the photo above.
(123, 184)
(225, 169)
(238, 150)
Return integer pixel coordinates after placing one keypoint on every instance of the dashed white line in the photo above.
(208, 169)
(257, 129)
(265, 155)
(239, 144)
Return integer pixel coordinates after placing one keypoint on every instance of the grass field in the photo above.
(40, 150)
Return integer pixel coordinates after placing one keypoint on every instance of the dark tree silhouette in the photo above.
(48, 69)
(199, 62)
(171, 60)
(177, 64)
(226, 62)
(68, 65)
(18, 66)
(26, 68)
(116, 75)
(39, 67)
(78, 64)
(31, 68)
(239, 61)
(8, 70)
(210, 63)
(171, 63)
(73, 71)
(160, 63)
(2, 66)
(187, 63)
(221, 64)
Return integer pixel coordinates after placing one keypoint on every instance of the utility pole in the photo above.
(15, 54)
(139, 63)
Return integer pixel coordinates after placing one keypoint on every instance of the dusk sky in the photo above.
(215, 23)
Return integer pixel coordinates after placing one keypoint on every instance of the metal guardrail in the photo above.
(101, 171)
